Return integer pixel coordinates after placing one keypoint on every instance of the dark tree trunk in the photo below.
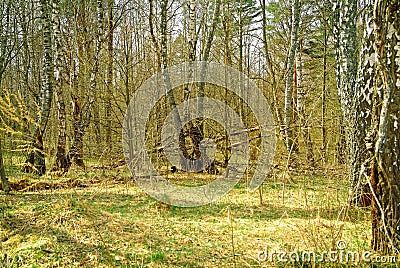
(82, 114)
(110, 73)
(4, 180)
(323, 97)
(301, 111)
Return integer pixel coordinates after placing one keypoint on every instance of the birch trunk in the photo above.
(290, 141)
(347, 63)
(37, 158)
(61, 160)
(362, 110)
(386, 151)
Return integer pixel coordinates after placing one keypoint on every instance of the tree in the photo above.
(347, 68)
(270, 67)
(300, 93)
(384, 134)
(110, 73)
(36, 158)
(4, 180)
(290, 141)
(8, 46)
(59, 73)
(83, 112)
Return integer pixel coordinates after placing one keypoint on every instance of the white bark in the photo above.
(290, 143)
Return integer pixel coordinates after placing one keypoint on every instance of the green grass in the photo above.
(115, 224)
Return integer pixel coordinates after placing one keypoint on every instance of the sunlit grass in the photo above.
(114, 223)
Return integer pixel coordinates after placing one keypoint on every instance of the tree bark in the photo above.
(164, 62)
(84, 114)
(153, 36)
(386, 151)
(291, 146)
(61, 159)
(110, 63)
(166, 77)
(323, 95)
(271, 69)
(4, 180)
(346, 63)
(7, 48)
(36, 158)
(301, 113)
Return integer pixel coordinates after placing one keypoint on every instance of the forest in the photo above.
(199, 133)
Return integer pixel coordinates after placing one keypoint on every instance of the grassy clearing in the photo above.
(115, 224)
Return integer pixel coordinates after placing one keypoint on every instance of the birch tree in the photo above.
(384, 136)
(36, 158)
(290, 141)
(347, 68)
(59, 75)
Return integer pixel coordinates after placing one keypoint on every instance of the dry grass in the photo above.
(112, 223)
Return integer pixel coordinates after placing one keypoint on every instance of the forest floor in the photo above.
(100, 218)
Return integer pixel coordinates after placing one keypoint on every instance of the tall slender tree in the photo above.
(59, 76)
(300, 107)
(8, 46)
(84, 112)
(4, 179)
(36, 158)
(347, 66)
(290, 140)
(110, 73)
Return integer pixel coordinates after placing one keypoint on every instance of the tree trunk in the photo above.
(83, 114)
(346, 49)
(303, 121)
(290, 141)
(193, 129)
(227, 36)
(109, 82)
(362, 109)
(61, 159)
(386, 167)
(323, 97)
(271, 69)
(164, 62)
(205, 57)
(167, 82)
(153, 36)
(36, 158)
(4, 180)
